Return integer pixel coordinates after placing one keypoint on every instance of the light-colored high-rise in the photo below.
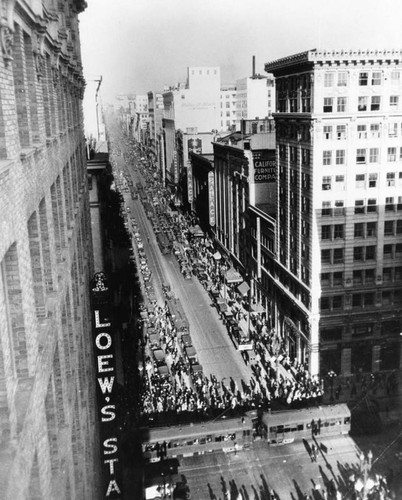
(336, 283)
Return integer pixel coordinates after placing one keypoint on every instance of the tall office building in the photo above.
(336, 282)
(48, 447)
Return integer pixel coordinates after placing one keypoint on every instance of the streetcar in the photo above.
(225, 435)
(238, 433)
(285, 427)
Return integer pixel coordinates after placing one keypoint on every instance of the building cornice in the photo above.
(321, 57)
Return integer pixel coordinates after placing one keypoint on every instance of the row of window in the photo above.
(361, 276)
(364, 130)
(362, 300)
(363, 155)
(374, 78)
(364, 103)
(363, 181)
(337, 255)
(361, 229)
(360, 206)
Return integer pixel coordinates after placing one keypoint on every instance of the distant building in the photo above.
(228, 107)
(255, 98)
(48, 427)
(336, 280)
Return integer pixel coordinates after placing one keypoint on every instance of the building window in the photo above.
(326, 183)
(340, 132)
(342, 79)
(358, 253)
(371, 229)
(340, 157)
(394, 101)
(375, 103)
(337, 301)
(328, 104)
(326, 232)
(359, 207)
(356, 300)
(328, 79)
(372, 205)
(362, 132)
(357, 277)
(338, 278)
(373, 180)
(327, 132)
(387, 274)
(389, 228)
(375, 130)
(362, 103)
(374, 155)
(387, 251)
(361, 155)
(399, 226)
(360, 181)
(338, 255)
(340, 182)
(395, 77)
(327, 157)
(393, 129)
(368, 299)
(326, 256)
(338, 231)
(339, 205)
(391, 154)
(341, 104)
(324, 302)
(358, 230)
(326, 208)
(325, 279)
(376, 78)
(363, 79)
(370, 252)
(390, 179)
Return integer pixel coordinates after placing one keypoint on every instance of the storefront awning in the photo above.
(257, 308)
(232, 276)
(243, 288)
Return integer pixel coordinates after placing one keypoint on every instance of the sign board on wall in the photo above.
(194, 146)
(264, 165)
(189, 182)
(211, 197)
(105, 368)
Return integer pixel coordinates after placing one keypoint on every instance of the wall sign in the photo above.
(105, 367)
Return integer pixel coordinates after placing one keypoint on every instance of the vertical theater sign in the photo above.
(105, 367)
(211, 197)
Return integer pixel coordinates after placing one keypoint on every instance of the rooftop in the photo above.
(320, 56)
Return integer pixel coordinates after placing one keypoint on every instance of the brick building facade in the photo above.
(48, 447)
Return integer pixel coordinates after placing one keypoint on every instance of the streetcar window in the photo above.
(203, 440)
(308, 425)
(300, 427)
(218, 438)
(346, 420)
(209, 438)
(246, 433)
(326, 423)
(273, 429)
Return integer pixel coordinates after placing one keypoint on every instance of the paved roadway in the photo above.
(287, 470)
(215, 350)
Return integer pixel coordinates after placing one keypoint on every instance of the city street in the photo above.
(216, 352)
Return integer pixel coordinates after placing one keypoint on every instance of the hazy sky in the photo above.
(141, 45)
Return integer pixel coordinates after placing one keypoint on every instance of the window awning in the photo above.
(243, 288)
(232, 276)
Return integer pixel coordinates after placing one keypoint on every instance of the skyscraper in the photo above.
(47, 413)
(336, 283)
